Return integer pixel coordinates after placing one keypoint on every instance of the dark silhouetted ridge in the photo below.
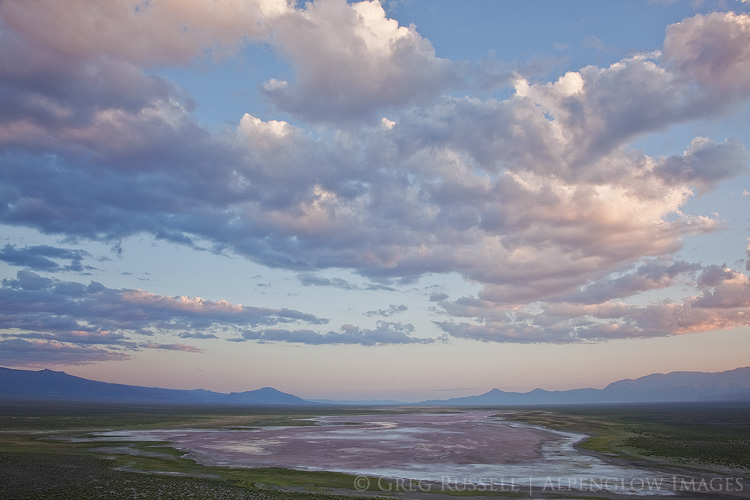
(52, 386)
(731, 385)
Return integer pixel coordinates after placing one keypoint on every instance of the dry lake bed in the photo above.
(626, 452)
(473, 450)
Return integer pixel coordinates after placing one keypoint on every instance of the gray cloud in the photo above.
(351, 62)
(197, 335)
(90, 323)
(20, 352)
(148, 33)
(384, 333)
(438, 296)
(722, 303)
(537, 197)
(32, 297)
(312, 279)
(392, 310)
(652, 275)
(169, 347)
(711, 51)
(705, 164)
(43, 257)
(44, 311)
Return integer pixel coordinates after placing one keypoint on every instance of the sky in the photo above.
(374, 200)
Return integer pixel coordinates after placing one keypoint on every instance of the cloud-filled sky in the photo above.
(374, 199)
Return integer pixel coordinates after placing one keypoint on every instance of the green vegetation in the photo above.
(150, 457)
(707, 435)
(82, 477)
(59, 416)
(58, 439)
(57, 443)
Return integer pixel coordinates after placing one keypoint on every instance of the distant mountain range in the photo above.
(59, 386)
(732, 385)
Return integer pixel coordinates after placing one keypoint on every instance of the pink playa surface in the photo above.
(367, 441)
(466, 447)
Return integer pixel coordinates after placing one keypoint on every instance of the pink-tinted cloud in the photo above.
(33, 302)
(169, 347)
(43, 353)
(386, 333)
(723, 302)
(351, 61)
(712, 50)
(90, 322)
(538, 198)
(85, 322)
(142, 33)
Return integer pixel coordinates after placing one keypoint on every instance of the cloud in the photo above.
(712, 50)
(653, 275)
(384, 334)
(20, 352)
(538, 198)
(593, 42)
(95, 319)
(169, 347)
(89, 323)
(705, 163)
(722, 303)
(197, 335)
(391, 311)
(140, 32)
(351, 61)
(41, 257)
(312, 279)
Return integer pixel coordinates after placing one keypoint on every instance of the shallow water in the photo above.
(453, 450)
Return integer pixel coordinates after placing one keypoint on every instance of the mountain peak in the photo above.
(47, 370)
